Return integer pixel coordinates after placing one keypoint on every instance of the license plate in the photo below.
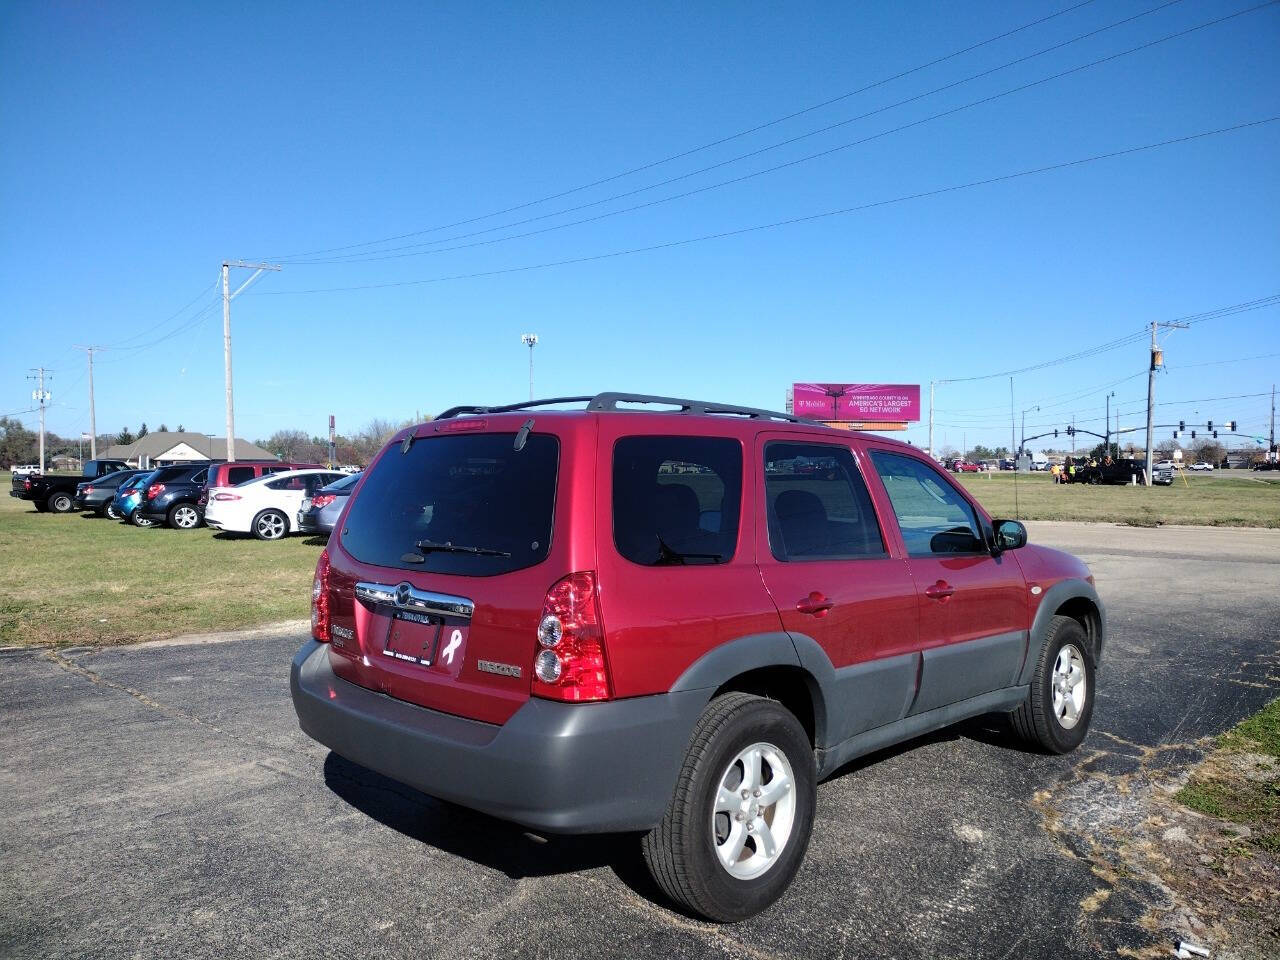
(413, 637)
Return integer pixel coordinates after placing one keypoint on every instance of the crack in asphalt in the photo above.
(271, 762)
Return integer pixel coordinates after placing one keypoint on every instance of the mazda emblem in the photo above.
(404, 592)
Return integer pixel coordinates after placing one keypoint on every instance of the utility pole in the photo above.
(530, 340)
(1157, 361)
(1013, 446)
(42, 396)
(1271, 445)
(93, 421)
(1073, 434)
(931, 384)
(227, 297)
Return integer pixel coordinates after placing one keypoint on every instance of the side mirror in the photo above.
(1009, 535)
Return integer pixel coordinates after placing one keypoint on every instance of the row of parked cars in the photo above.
(266, 498)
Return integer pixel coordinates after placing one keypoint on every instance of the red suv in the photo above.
(675, 622)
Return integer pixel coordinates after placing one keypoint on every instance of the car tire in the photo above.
(138, 520)
(1054, 717)
(690, 854)
(110, 512)
(40, 507)
(270, 525)
(59, 502)
(183, 516)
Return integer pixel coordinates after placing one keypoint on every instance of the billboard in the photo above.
(863, 402)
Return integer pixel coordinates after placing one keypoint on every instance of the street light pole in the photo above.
(1106, 441)
(530, 340)
(1022, 446)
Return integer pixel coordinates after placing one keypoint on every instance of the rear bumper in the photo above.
(562, 768)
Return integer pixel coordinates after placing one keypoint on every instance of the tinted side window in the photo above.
(289, 483)
(237, 475)
(676, 500)
(933, 517)
(817, 503)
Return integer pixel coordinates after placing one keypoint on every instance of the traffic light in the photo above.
(1209, 426)
(1215, 434)
(1175, 434)
(1071, 431)
(1182, 426)
(1055, 433)
(1193, 434)
(1231, 426)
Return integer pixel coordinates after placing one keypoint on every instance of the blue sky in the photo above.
(140, 145)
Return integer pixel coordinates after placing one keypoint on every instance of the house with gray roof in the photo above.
(164, 447)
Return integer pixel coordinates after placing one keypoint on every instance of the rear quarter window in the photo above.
(472, 491)
(676, 500)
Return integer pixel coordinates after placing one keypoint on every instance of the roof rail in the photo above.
(459, 411)
(609, 403)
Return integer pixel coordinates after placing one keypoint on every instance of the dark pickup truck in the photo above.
(57, 493)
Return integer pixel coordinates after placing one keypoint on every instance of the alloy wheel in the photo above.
(754, 811)
(186, 517)
(1070, 686)
(271, 526)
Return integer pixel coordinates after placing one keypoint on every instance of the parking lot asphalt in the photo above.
(161, 802)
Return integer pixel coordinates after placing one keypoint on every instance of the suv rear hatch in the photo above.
(441, 564)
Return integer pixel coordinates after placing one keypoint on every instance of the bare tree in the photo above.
(288, 444)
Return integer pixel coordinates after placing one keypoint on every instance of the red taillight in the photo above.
(570, 663)
(26, 484)
(155, 490)
(226, 496)
(320, 599)
(88, 490)
(323, 500)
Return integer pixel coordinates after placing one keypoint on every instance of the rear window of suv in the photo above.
(474, 491)
(676, 499)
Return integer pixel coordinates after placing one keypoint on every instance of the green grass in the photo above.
(66, 579)
(1239, 499)
(1220, 788)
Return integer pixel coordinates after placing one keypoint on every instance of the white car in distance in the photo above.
(264, 506)
(1200, 465)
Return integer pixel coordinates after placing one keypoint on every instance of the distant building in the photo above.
(162, 448)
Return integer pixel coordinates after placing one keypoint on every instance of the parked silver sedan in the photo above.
(320, 512)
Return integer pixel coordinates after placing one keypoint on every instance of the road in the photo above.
(160, 801)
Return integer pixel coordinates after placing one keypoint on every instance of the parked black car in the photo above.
(1121, 471)
(320, 512)
(96, 495)
(172, 498)
(51, 492)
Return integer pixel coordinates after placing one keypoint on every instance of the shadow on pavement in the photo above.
(494, 843)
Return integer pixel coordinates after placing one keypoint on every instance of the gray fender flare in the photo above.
(757, 651)
(1054, 598)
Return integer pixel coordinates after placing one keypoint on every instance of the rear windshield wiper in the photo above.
(430, 546)
(670, 557)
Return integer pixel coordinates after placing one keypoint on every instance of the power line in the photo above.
(706, 146)
(388, 254)
(1214, 363)
(783, 223)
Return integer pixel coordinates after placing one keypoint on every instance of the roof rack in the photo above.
(609, 403)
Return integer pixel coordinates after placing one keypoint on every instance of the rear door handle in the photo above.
(939, 591)
(815, 604)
